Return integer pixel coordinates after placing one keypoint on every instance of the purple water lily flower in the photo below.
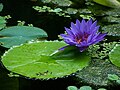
(82, 34)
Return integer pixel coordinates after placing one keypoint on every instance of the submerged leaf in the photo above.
(35, 61)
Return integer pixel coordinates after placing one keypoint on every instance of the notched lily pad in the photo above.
(36, 60)
(115, 55)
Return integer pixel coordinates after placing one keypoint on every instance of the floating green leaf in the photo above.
(118, 81)
(85, 88)
(71, 11)
(72, 88)
(38, 60)
(115, 55)
(113, 77)
(17, 35)
(109, 3)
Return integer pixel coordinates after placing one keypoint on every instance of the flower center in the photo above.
(79, 40)
(84, 38)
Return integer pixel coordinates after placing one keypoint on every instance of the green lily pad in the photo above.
(72, 88)
(40, 60)
(17, 35)
(115, 55)
(85, 88)
(113, 30)
(109, 3)
(71, 11)
(113, 12)
(113, 77)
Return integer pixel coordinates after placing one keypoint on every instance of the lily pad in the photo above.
(17, 35)
(85, 88)
(40, 60)
(109, 3)
(113, 77)
(72, 88)
(115, 55)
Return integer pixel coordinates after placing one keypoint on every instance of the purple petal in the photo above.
(95, 35)
(62, 48)
(82, 26)
(99, 38)
(82, 49)
(70, 41)
(82, 44)
(93, 25)
(89, 38)
(78, 24)
(69, 32)
(74, 28)
(89, 22)
(96, 29)
(64, 36)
